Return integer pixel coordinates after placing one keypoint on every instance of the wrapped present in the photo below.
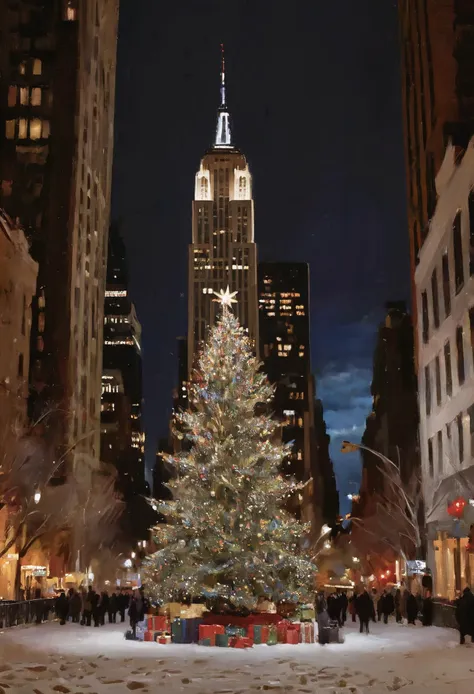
(272, 636)
(307, 633)
(231, 630)
(164, 639)
(158, 623)
(204, 642)
(240, 642)
(209, 631)
(172, 610)
(254, 632)
(149, 636)
(282, 628)
(222, 640)
(264, 633)
(186, 630)
(292, 637)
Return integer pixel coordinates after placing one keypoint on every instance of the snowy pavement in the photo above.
(49, 658)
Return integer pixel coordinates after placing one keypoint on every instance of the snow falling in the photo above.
(413, 660)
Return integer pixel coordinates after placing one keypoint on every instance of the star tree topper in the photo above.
(225, 298)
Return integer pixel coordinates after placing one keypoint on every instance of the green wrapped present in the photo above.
(177, 631)
(257, 634)
(272, 636)
(222, 640)
(205, 642)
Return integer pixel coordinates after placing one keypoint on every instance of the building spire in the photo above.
(223, 138)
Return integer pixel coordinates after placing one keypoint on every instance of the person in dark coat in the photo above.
(364, 607)
(104, 606)
(344, 602)
(113, 609)
(322, 618)
(75, 603)
(398, 605)
(136, 611)
(87, 606)
(412, 608)
(427, 610)
(96, 609)
(122, 604)
(62, 607)
(352, 606)
(465, 615)
(388, 605)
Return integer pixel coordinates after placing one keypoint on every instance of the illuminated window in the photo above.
(35, 96)
(35, 129)
(10, 129)
(37, 66)
(22, 128)
(46, 129)
(22, 68)
(24, 96)
(12, 95)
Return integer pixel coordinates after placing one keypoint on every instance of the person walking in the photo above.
(62, 607)
(364, 607)
(75, 603)
(412, 608)
(122, 605)
(96, 616)
(113, 608)
(103, 606)
(136, 611)
(465, 615)
(344, 603)
(398, 605)
(87, 606)
(352, 606)
(387, 606)
(322, 617)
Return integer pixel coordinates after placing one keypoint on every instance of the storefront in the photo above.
(450, 525)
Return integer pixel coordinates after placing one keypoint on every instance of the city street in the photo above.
(51, 658)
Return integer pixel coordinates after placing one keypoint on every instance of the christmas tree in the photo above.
(227, 534)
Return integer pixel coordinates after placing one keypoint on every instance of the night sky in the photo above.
(314, 93)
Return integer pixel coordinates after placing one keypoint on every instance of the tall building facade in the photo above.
(57, 93)
(285, 349)
(445, 296)
(283, 296)
(223, 251)
(122, 436)
(436, 39)
(392, 430)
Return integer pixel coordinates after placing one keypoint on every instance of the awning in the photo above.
(461, 484)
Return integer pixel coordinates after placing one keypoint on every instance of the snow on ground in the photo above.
(72, 659)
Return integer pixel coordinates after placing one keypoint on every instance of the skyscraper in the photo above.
(122, 437)
(285, 351)
(436, 39)
(222, 251)
(57, 93)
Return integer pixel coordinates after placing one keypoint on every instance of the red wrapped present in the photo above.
(265, 631)
(149, 636)
(159, 623)
(307, 633)
(164, 639)
(241, 642)
(282, 628)
(209, 631)
(292, 637)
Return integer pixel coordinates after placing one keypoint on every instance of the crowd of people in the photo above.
(88, 606)
(374, 606)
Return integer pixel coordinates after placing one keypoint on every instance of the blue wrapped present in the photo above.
(185, 630)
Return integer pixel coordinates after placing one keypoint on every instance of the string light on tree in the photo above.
(227, 536)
